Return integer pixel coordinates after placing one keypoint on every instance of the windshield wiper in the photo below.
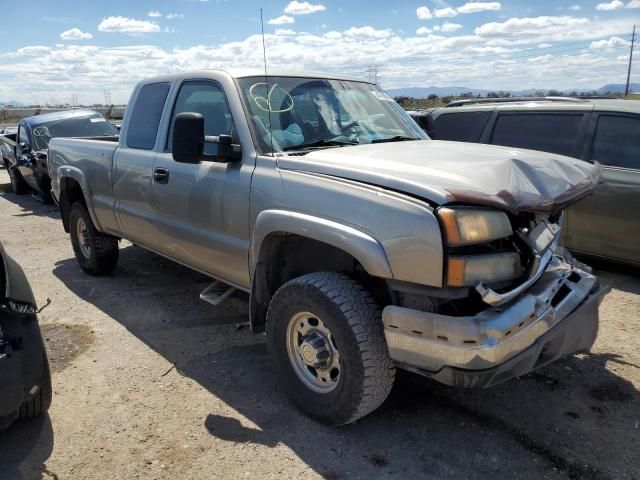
(397, 138)
(319, 143)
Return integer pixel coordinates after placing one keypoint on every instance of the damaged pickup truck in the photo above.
(364, 246)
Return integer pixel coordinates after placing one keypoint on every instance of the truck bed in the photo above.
(92, 160)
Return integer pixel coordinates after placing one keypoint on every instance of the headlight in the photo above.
(469, 270)
(465, 226)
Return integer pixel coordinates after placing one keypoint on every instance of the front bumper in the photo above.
(556, 316)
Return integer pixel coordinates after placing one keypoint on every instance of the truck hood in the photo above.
(445, 172)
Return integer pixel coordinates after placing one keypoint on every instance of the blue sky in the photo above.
(86, 47)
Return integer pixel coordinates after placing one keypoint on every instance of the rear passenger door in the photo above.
(133, 165)
(608, 223)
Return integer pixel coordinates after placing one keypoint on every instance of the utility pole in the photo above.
(107, 98)
(633, 39)
(372, 74)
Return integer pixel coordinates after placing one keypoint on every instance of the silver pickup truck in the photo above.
(364, 246)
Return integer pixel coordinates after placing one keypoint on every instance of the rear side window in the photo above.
(617, 141)
(547, 132)
(145, 118)
(460, 127)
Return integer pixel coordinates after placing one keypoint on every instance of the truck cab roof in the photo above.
(48, 117)
(236, 73)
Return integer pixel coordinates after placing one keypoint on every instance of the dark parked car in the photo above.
(25, 382)
(606, 224)
(29, 169)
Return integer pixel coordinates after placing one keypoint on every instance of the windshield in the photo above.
(92, 125)
(318, 113)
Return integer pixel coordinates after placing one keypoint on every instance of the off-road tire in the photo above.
(40, 401)
(103, 256)
(18, 185)
(354, 318)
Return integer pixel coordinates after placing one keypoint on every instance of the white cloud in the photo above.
(171, 16)
(449, 27)
(540, 28)
(281, 20)
(610, 44)
(474, 7)
(34, 50)
(127, 25)
(75, 34)
(367, 32)
(575, 8)
(154, 14)
(303, 8)
(445, 12)
(613, 5)
(545, 45)
(423, 13)
(633, 4)
(284, 31)
(423, 31)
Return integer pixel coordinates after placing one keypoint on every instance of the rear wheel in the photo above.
(326, 341)
(96, 252)
(18, 185)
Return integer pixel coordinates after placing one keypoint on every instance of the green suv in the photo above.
(606, 224)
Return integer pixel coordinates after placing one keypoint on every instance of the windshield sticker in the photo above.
(380, 95)
(41, 132)
(276, 100)
(96, 120)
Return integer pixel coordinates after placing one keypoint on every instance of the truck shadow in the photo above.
(29, 204)
(24, 448)
(551, 423)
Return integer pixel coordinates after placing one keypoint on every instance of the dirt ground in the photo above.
(151, 382)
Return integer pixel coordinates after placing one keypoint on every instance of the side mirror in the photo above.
(23, 148)
(189, 139)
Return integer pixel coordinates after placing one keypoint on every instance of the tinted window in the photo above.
(209, 99)
(617, 141)
(92, 125)
(460, 127)
(555, 133)
(145, 117)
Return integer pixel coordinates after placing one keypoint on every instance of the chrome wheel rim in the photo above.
(83, 238)
(313, 352)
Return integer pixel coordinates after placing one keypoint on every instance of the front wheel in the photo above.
(327, 345)
(96, 252)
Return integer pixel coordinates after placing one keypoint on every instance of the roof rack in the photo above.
(472, 101)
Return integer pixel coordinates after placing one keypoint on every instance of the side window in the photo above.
(460, 127)
(617, 141)
(207, 98)
(547, 132)
(145, 117)
(22, 136)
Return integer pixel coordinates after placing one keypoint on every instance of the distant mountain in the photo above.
(424, 92)
(12, 103)
(618, 88)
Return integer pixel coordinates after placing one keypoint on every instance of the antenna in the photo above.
(266, 82)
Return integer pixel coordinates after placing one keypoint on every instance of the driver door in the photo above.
(25, 161)
(202, 210)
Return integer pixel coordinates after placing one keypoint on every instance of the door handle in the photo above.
(161, 175)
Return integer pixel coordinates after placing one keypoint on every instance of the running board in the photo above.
(210, 295)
